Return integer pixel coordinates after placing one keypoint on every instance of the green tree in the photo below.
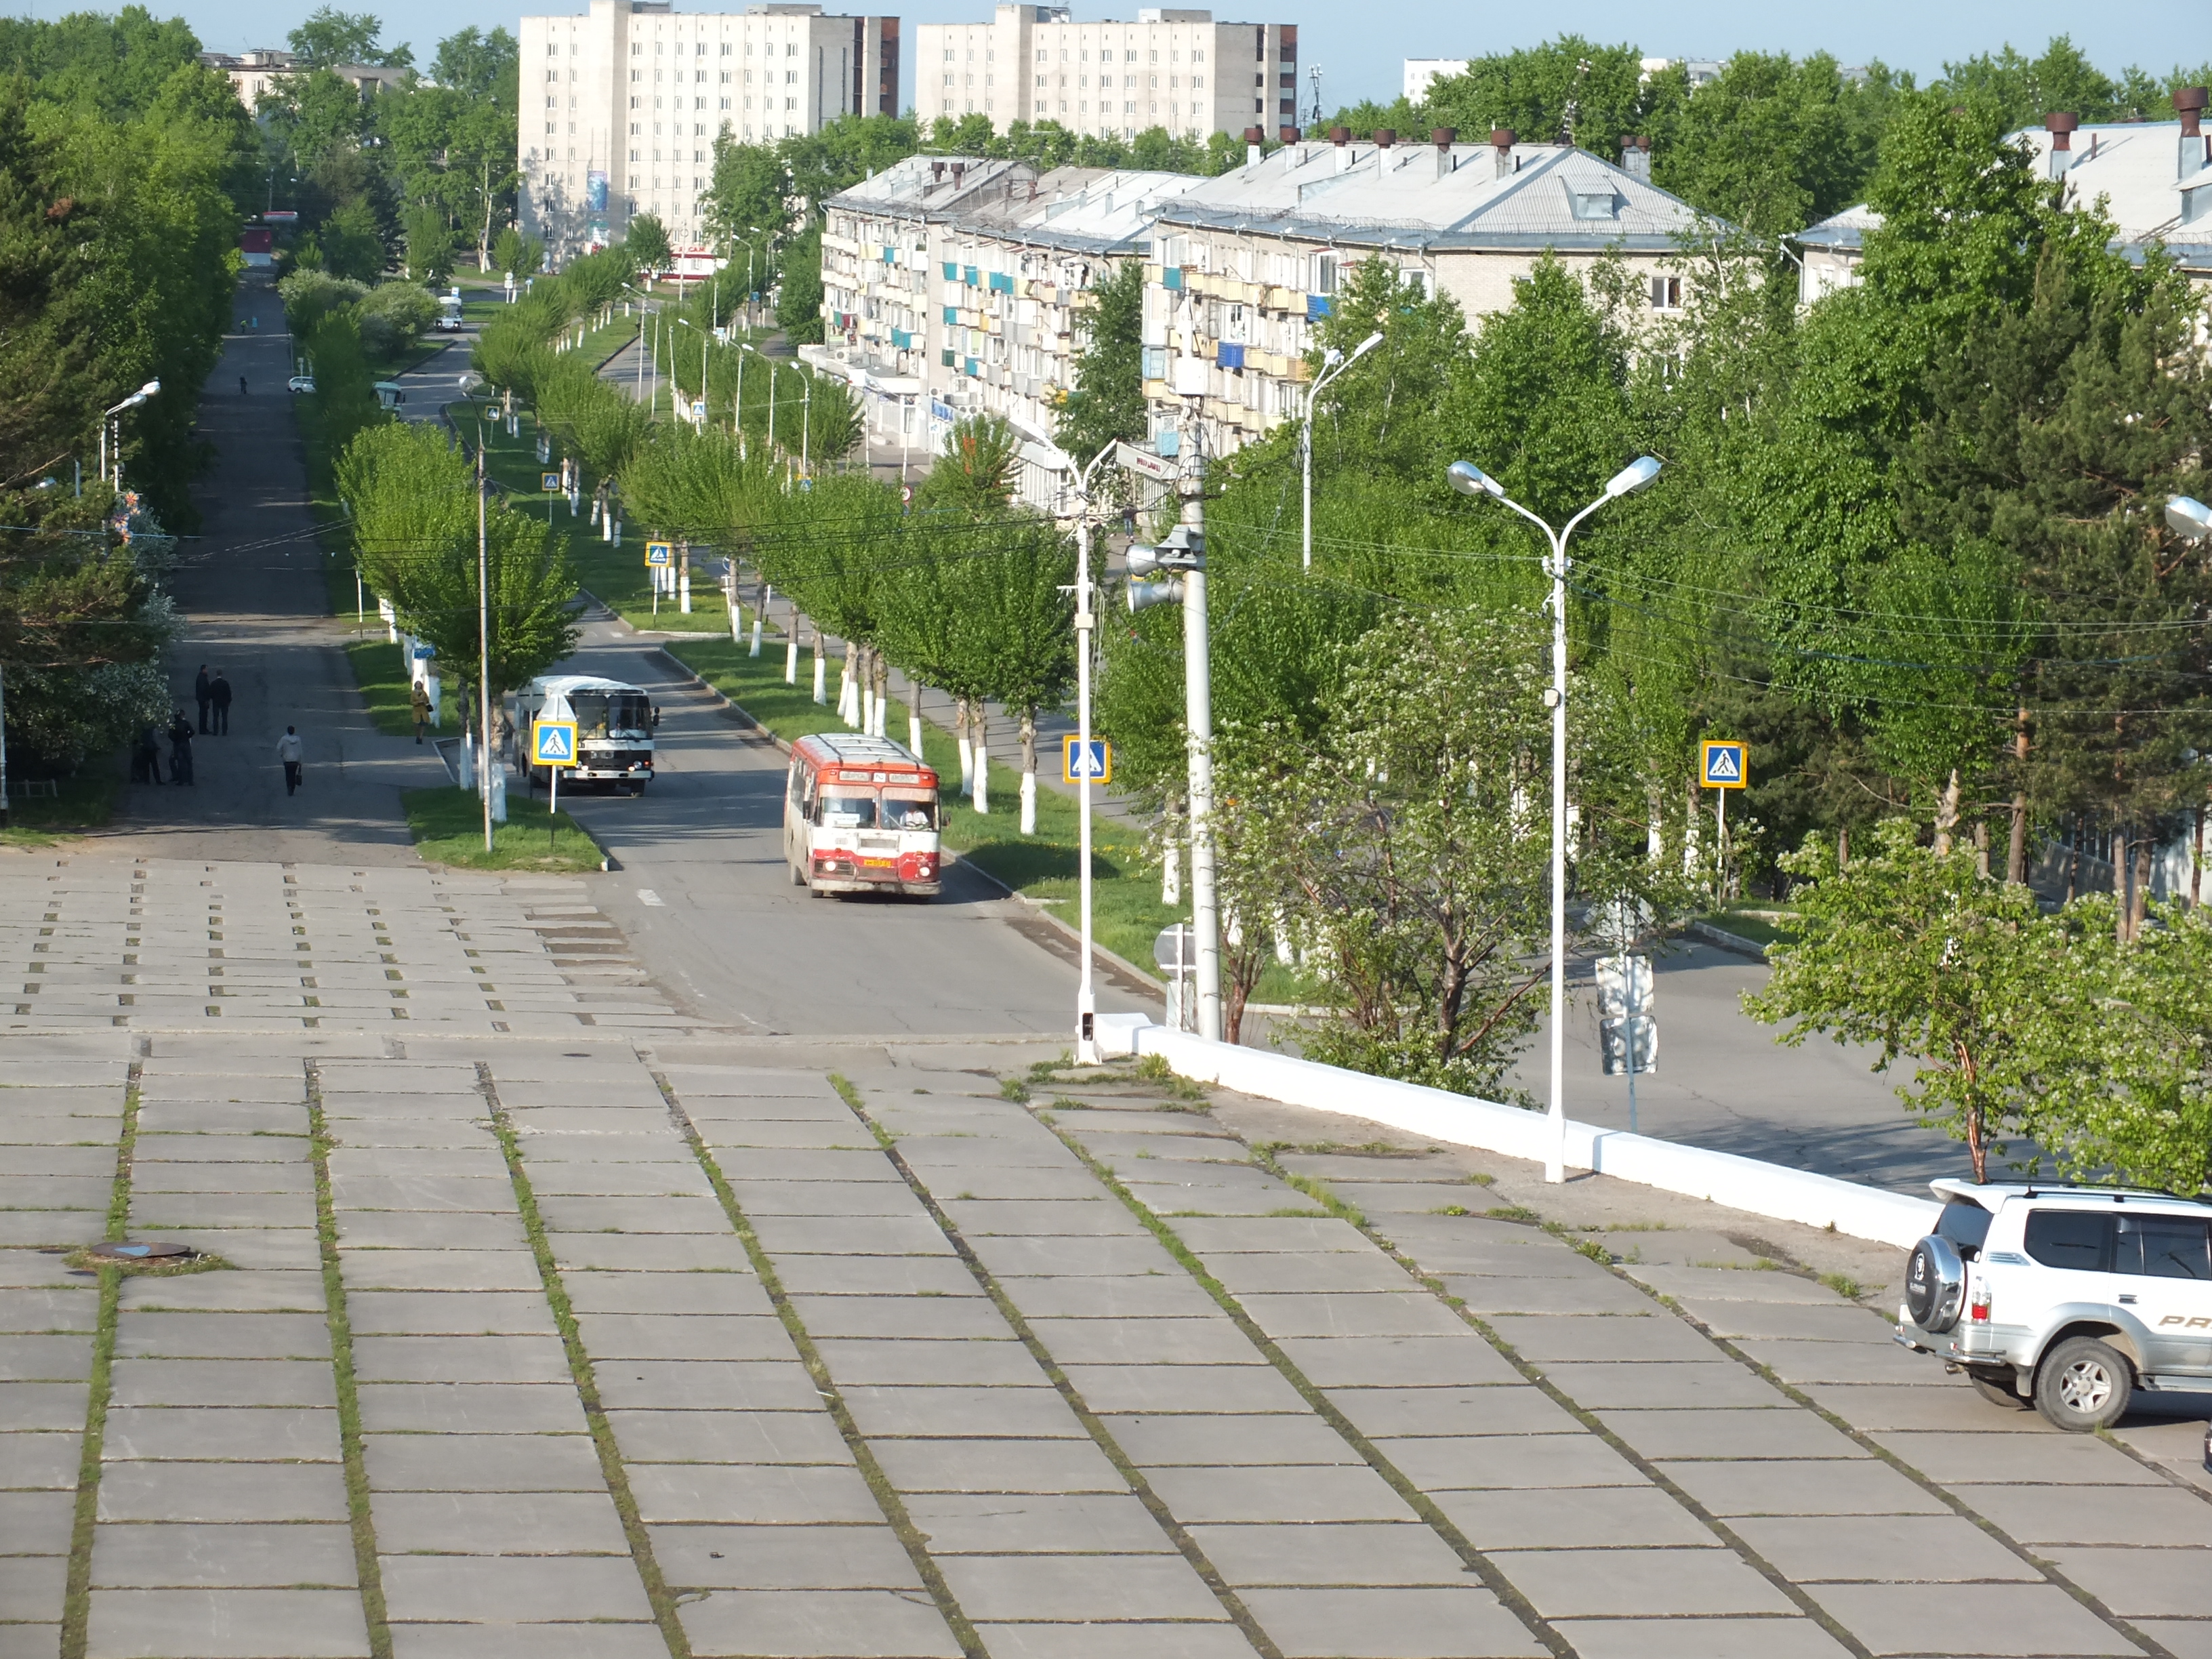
(330, 37)
(1107, 403)
(347, 245)
(1921, 956)
(1569, 85)
(429, 243)
(477, 65)
(519, 256)
(799, 295)
(646, 240)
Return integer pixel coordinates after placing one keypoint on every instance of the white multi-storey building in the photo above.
(1171, 68)
(620, 104)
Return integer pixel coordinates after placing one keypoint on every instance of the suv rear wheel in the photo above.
(2083, 1384)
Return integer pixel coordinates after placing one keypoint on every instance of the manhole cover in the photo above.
(130, 1252)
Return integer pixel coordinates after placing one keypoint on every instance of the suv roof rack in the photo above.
(1959, 1187)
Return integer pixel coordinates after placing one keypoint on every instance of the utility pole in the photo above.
(1198, 717)
(483, 645)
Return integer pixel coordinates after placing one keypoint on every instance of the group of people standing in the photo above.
(213, 695)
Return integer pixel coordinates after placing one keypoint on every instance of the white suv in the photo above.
(2072, 1297)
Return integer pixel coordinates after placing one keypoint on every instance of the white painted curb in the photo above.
(1740, 1183)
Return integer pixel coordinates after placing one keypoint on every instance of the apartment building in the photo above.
(620, 104)
(251, 74)
(2153, 177)
(1171, 68)
(1245, 265)
(954, 287)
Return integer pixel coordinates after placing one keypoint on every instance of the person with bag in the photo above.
(421, 704)
(288, 752)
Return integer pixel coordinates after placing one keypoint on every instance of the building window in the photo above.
(1666, 294)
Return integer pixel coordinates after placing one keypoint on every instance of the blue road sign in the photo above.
(659, 553)
(553, 742)
(551, 483)
(1722, 765)
(1097, 765)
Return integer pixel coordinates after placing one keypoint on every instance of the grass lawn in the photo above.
(1758, 927)
(381, 672)
(84, 802)
(1126, 909)
(448, 827)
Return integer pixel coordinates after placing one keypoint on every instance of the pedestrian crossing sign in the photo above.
(659, 553)
(1076, 764)
(1723, 765)
(549, 483)
(553, 742)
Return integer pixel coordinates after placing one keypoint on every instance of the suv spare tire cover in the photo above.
(1934, 1284)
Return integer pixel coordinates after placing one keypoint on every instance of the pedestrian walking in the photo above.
(288, 751)
(219, 700)
(203, 695)
(180, 750)
(146, 756)
(241, 385)
(421, 704)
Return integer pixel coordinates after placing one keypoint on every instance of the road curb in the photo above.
(1727, 941)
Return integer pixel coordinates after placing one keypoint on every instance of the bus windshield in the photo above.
(908, 812)
(611, 713)
(846, 809)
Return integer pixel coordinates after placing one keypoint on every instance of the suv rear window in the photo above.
(2164, 1247)
(2080, 1239)
(1965, 1222)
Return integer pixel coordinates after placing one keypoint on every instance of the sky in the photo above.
(1361, 48)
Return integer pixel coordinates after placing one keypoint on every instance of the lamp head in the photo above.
(1632, 477)
(1331, 358)
(1367, 345)
(1469, 479)
(1144, 595)
(149, 388)
(2189, 518)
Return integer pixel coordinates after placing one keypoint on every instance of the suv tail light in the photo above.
(1978, 1310)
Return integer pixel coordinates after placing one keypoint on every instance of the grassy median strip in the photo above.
(76, 1593)
(911, 1537)
(367, 1566)
(581, 1373)
(1231, 1603)
(448, 828)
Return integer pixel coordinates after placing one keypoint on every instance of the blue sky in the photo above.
(1360, 48)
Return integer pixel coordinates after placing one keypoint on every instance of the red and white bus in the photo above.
(860, 815)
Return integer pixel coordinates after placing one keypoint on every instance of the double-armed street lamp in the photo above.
(1333, 363)
(2189, 518)
(1469, 479)
(113, 418)
(1086, 1002)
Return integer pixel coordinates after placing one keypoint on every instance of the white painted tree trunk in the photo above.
(821, 670)
(880, 672)
(1654, 827)
(1690, 831)
(914, 732)
(982, 758)
(1028, 772)
(791, 660)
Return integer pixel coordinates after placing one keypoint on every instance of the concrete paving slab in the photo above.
(666, 1293)
(1715, 1285)
(233, 1556)
(754, 1494)
(470, 1408)
(992, 1181)
(227, 1624)
(749, 1385)
(481, 1313)
(1391, 1623)
(1568, 1583)
(2148, 1517)
(1874, 1361)
(634, 1215)
(513, 1589)
(1490, 1295)
(32, 1460)
(1789, 1320)
(36, 1522)
(48, 1309)
(1326, 1314)
(221, 1492)
(555, 1178)
(498, 1524)
(1160, 1442)
(1026, 1411)
(1663, 1385)
(152, 1176)
(1342, 1362)
(2184, 1640)
(1929, 1549)
(265, 1434)
(1379, 1554)
(2137, 1583)
(243, 1290)
(460, 1360)
(1081, 1590)
(1130, 1641)
(1009, 1257)
(285, 1249)
(2011, 1619)
(2043, 1460)
(1209, 1340)
(1205, 1390)
(709, 1437)
(1587, 1517)
(1324, 1492)
(222, 1382)
(824, 1198)
(892, 1362)
(797, 1623)
(455, 1192)
(1549, 1342)
(1000, 1466)
(58, 1406)
(1781, 1487)
(197, 1336)
(667, 1253)
(1468, 1462)
(618, 1336)
(1149, 1296)
(927, 1318)
(1730, 1434)
(989, 1523)
(1486, 1408)
(783, 1558)
(33, 1587)
(481, 1462)
(429, 1230)
(1702, 1638)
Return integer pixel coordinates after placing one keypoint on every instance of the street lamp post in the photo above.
(1086, 1003)
(705, 340)
(1332, 366)
(113, 418)
(1469, 479)
(483, 644)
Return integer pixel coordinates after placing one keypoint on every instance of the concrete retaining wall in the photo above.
(1740, 1183)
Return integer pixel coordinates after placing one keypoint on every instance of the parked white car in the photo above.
(301, 383)
(2067, 1298)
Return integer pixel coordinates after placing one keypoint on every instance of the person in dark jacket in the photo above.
(180, 750)
(201, 696)
(146, 757)
(219, 696)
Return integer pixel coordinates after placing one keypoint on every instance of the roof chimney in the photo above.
(2061, 126)
(1501, 151)
(1287, 135)
(1385, 137)
(1635, 157)
(1443, 138)
(2196, 153)
(1254, 137)
(1341, 137)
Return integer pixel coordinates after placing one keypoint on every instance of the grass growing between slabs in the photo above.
(1126, 909)
(448, 828)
